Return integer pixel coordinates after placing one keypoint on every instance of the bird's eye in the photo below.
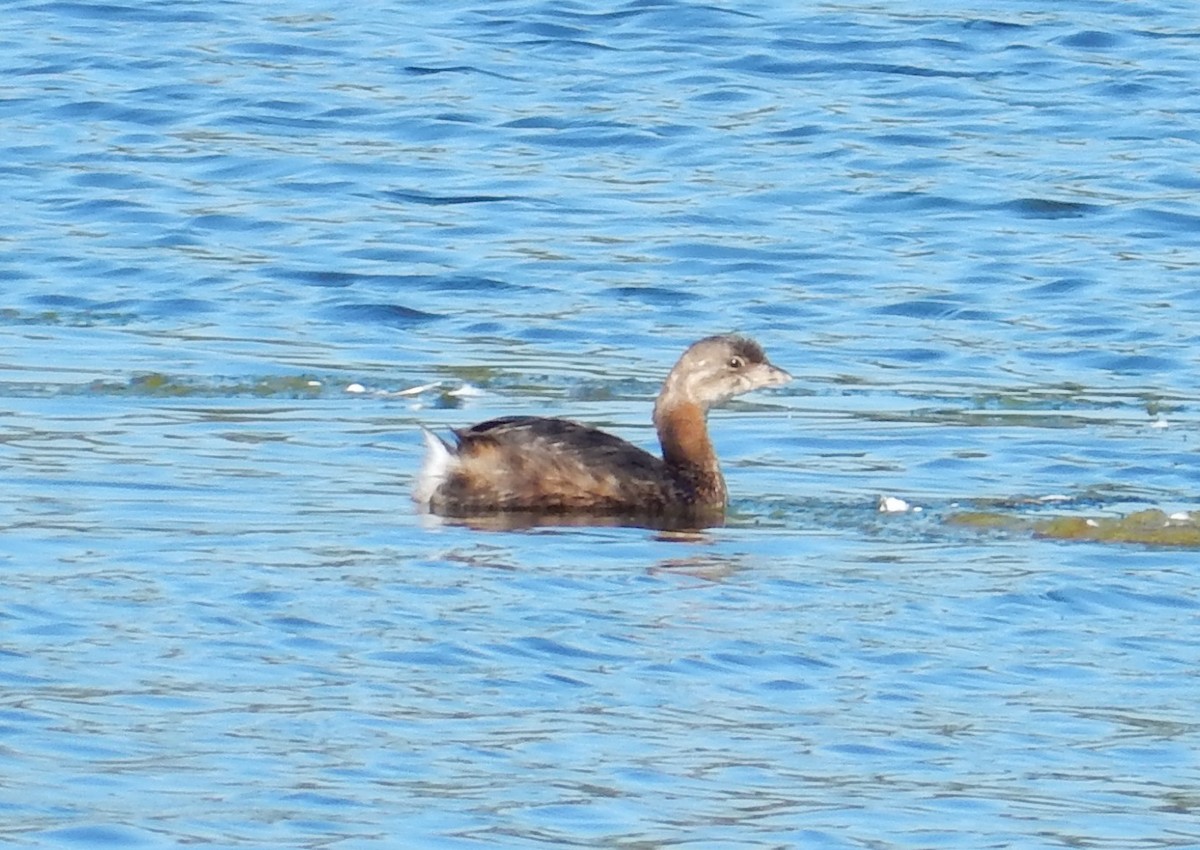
(735, 363)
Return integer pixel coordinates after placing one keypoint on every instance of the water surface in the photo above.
(972, 237)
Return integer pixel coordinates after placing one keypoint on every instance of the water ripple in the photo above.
(248, 251)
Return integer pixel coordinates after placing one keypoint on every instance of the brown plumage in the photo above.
(559, 467)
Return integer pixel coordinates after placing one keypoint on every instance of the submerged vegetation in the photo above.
(159, 384)
(1149, 527)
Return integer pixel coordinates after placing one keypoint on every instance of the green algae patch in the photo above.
(1148, 528)
(987, 520)
(160, 385)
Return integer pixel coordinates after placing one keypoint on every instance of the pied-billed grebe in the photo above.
(559, 467)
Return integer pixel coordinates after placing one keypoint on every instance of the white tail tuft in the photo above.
(439, 461)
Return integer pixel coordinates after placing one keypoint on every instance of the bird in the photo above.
(561, 468)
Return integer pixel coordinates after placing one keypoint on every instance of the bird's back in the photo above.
(549, 465)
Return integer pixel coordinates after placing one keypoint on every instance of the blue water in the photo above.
(972, 237)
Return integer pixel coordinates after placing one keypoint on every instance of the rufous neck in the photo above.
(683, 432)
